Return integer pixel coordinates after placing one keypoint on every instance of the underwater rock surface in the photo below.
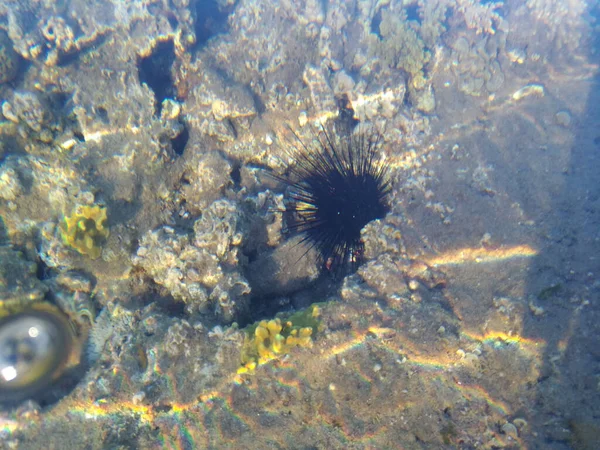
(473, 322)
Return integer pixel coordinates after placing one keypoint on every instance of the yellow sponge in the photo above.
(273, 338)
(85, 230)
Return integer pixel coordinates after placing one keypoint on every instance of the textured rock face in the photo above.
(18, 284)
(9, 61)
(175, 115)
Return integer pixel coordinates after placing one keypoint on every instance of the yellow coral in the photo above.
(85, 230)
(273, 338)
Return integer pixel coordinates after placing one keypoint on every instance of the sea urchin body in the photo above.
(336, 187)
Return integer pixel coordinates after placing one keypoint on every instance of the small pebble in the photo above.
(510, 430)
(302, 119)
(150, 325)
(138, 398)
(413, 285)
(536, 310)
(563, 118)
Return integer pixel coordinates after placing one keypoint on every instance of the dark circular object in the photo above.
(34, 348)
(336, 187)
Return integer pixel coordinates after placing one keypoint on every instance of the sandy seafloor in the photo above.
(474, 322)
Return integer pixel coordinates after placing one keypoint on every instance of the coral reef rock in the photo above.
(201, 268)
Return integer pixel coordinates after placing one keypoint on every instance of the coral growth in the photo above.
(406, 35)
(478, 72)
(399, 45)
(32, 113)
(268, 340)
(85, 230)
(201, 268)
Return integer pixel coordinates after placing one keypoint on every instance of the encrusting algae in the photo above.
(85, 230)
(271, 339)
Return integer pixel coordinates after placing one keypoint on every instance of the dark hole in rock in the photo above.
(232, 127)
(210, 20)
(236, 176)
(79, 136)
(59, 103)
(181, 140)
(172, 21)
(375, 23)
(264, 307)
(499, 7)
(155, 71)
(171, 307)
(65, 59)
(258, 103)
(42, 270)
(3, 232)
(346, 119)
(103, 114)
(163, 408)
(251, 255)
(412, 13)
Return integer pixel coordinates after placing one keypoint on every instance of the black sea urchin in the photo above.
(336, 186)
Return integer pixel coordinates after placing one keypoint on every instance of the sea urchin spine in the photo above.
(336, 186)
